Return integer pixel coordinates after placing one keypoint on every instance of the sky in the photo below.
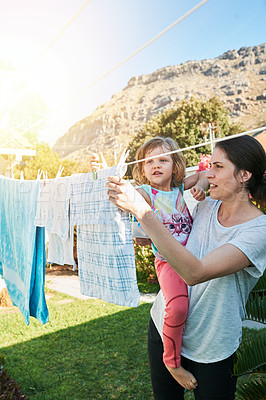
(86, 39)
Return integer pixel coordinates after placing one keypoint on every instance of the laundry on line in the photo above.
(105, 248)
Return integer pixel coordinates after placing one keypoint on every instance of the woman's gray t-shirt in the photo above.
(213, 328)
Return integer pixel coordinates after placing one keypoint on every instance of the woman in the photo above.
(224, 257)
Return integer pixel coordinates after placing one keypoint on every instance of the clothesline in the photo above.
(198, 145)
(75, 96)
(105, 253)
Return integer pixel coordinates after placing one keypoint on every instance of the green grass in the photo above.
(88, 350)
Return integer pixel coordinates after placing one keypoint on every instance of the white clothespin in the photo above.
(40, 175)
(122, 164)
(21, 176)
(59, 173)
(123, 157)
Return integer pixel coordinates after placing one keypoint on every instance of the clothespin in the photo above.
(123, 157)
(60, 170)
(40, 174)
(21, 176)
(100, 158)
(122, 164)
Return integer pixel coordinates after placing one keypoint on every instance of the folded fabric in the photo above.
(22, 248)
(53, 214)
(105, 250)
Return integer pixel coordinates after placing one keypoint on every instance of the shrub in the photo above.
(145, 264)
(9, 390)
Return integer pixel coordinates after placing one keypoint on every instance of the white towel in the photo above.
(53, 214)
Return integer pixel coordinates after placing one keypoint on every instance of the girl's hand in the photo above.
(97, 162)
(124, 196)
(198, 193)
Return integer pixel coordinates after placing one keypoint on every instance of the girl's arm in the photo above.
(224, 260)
(197, 183)
(97, 162)
(199, 178)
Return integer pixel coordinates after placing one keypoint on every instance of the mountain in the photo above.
(237, 78)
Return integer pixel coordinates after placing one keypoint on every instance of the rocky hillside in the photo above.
(237, 77)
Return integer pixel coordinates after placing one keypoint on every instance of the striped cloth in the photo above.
(105, 248)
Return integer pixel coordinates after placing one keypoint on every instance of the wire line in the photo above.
(136, 52)
(199, 145)
(122, 62)
(60, 33)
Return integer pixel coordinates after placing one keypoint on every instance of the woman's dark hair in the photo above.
(247, 154)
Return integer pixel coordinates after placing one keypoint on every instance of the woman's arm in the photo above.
(224, 260)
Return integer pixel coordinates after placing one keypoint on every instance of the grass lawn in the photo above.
(89, 350)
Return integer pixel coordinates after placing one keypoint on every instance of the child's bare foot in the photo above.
(183, 377)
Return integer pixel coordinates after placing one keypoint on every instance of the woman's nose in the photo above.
(210, 173)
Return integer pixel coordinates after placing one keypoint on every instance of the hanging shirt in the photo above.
(22, 248)
(105, 248)
(53, 214)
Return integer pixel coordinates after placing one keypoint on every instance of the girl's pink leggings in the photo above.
(176, 298)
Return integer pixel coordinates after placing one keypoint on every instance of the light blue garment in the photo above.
(22, 248)
(106, 257)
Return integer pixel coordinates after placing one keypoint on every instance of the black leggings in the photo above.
(215, 380)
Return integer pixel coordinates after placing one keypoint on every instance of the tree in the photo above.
(46, 160)
(28, 116)
(186, 123)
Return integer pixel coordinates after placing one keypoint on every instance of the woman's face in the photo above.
(225, 184)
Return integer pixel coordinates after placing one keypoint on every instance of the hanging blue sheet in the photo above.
(22, 248)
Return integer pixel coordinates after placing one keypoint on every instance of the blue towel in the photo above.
(22, 248)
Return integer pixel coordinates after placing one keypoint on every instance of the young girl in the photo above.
(161, 182)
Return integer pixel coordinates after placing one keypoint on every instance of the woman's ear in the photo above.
(245, 175)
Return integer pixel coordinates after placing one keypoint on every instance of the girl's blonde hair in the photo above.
(169, 145)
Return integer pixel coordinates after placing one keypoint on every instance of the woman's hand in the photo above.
(97, 162)
(124, 196)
